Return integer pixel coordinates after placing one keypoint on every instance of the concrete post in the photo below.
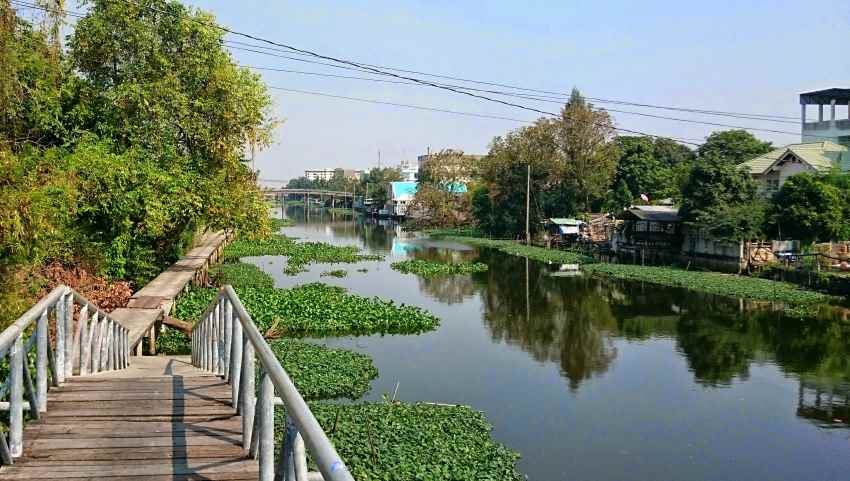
(832, 110)
(820, 112)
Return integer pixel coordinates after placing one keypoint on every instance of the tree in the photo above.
(721, 198)
(160, 118)
(655, 167)
(441, 197)
(588, 155)
(735, 145)
(375, 183)
(809, 208)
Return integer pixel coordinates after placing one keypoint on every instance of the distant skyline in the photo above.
(721, 55)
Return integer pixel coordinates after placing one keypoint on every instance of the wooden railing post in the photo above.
(16, 397)
(41, 362)
(247, 395)
(235, 360)
(266, 434)
(227, 309)
(59, 361)
(70, 332)
(214, 339)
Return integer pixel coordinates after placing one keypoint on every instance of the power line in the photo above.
(378, 71)
(559, 95)
(395, 104)
(627, 112)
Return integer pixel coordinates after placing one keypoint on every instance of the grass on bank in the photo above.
(413, 442)
(433, 269)
(298, 254)
(315, 310)
(711, 282)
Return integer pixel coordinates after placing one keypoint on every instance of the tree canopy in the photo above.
(811, 208)
(734, 145)
(119, 149)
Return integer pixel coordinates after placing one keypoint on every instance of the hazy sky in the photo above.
(743, 56)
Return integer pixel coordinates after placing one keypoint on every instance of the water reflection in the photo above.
(574, 322)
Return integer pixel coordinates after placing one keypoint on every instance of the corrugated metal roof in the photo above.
(660, 213)
(819, 155)
(565, 221)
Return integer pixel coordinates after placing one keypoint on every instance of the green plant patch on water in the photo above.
(712, 283)
(433, 269)
(315, 310)
(334, 273)
(532, 252)
(298, 254)
(240, 274)
(413, 442)
(321, 372)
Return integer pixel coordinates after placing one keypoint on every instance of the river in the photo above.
(595, 379)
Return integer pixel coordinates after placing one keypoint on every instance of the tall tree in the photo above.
(584, 138)
(735, 145)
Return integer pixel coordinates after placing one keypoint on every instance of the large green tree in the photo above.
(735, 145)
(162, 117)
(655, 167)
(810, 208)
(722, 198)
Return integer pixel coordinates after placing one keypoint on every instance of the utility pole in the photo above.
(527, 204)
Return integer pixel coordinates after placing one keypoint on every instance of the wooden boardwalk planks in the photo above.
(151, 427)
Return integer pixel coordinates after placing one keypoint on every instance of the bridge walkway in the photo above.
(158, 419)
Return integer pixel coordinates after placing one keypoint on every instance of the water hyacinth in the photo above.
(711, 282)
(315, 310)
(240, 274)
(298, 254)
(416, 441)
(321, 372)
(433, 269)
(532, 252)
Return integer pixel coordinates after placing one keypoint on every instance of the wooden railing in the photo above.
(227, 342)
(97, 343)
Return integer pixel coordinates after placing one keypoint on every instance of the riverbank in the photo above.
(709, 282)
(512, 247)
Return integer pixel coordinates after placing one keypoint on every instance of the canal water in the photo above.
(595, 379)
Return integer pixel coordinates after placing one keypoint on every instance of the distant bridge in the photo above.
(307, 194)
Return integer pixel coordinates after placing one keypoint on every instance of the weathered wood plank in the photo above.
(162, 453)
(129, 429)
(138, 469)
(135, 442)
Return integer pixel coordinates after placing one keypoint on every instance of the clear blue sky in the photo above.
(752, 56)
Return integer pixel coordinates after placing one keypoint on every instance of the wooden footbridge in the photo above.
(86, 409)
